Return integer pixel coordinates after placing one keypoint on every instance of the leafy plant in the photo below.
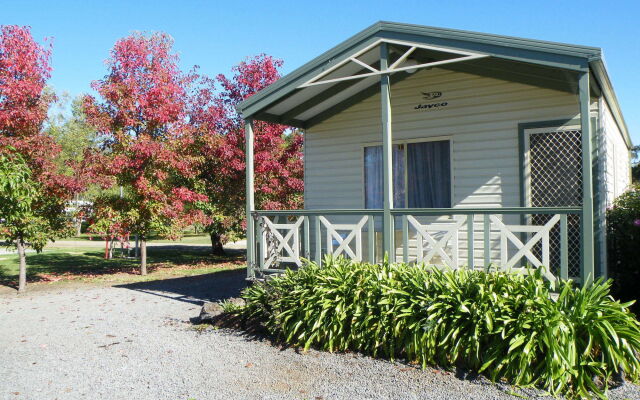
(230, 306)
(623, 241)
(505, 325)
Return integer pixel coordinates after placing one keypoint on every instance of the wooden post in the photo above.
(487, 241)
(248, 130)
(470, 241)
(307, 238)
(387, 154)
(22, 272)
(564, 247)
(405, 239)
(318, 232)
(587, 273)
(371, 235)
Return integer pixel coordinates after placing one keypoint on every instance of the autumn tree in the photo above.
(35, 215)
(142, 120)
(278, 150)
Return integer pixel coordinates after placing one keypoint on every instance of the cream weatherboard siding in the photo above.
(614, 174)
(481, 119)
(617, 163)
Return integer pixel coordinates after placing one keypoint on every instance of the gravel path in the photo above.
(136, 342)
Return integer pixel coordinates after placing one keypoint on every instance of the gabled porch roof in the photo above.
(350, 72)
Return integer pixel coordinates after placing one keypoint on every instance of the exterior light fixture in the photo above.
(410, 62)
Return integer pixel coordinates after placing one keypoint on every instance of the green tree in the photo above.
(75, 136)
(27, 214)
(635, 164)
(72, 132)
(17, 192)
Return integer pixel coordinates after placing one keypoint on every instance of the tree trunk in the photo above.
(143, 256)
(106, 248)
(78, 219)
(22, 280)
(216, 244)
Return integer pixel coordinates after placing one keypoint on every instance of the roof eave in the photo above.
(573, 57)
(310, 66)
(600, 72)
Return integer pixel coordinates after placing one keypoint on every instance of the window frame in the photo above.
(406, 142)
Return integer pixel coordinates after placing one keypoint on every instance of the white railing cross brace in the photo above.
(524, 249)
(355, 232)
(438, 246)
(283, 242)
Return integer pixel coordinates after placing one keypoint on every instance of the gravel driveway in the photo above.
(136, 342)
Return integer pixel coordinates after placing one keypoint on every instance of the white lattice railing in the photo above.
(283, 242)
(476, 238)
(351, 235)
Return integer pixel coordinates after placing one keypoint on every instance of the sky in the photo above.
(216, 35)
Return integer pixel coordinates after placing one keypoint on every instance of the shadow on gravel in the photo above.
(198, 289)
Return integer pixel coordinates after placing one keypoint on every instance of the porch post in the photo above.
(387, 154)
(248, 131)
(587, 273)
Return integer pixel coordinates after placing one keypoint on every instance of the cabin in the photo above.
(446, 147)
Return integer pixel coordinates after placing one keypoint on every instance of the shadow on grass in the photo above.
(216, 286)
(91, 263)
(151, 238)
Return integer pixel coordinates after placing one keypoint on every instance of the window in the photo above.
(421, 175)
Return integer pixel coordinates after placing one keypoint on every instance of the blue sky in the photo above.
(217, 34)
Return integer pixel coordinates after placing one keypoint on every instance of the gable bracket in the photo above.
(395, 67)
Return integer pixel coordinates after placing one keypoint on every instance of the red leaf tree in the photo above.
(24, 102)
(220, 129)
(143, 120)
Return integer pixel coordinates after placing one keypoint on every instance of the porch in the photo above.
(452, 237)
(486, 214)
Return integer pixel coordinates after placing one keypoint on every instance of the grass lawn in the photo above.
(87, 264)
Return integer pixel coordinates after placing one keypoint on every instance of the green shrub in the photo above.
(623, 242)
(504, 325)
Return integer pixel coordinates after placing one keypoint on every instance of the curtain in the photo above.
(373, 177)
(398, 177)
(429, 175)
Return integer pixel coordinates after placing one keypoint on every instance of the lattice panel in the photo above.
(555, 160)
(556, 169)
